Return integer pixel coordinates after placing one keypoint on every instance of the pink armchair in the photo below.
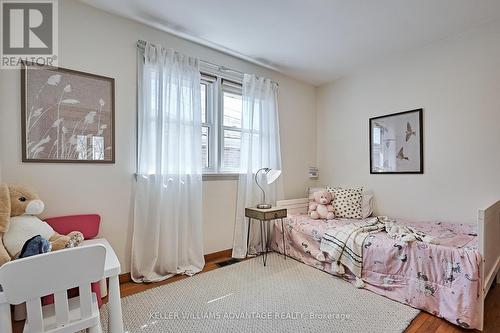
(88, 225)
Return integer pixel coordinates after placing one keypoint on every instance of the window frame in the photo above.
(211, 120)
(232, 88)
(214, 110)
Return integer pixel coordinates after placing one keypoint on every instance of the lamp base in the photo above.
(264, 206)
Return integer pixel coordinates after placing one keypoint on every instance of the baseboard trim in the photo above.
(125, 277)
(218, 255)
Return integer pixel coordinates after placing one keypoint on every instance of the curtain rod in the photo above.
(141, 44)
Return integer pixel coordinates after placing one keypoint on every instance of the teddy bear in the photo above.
(22, 233)
(321, 207)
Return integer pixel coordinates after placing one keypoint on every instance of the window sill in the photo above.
(220, 176)
(213, 176)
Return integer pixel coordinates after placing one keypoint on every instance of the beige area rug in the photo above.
(284, 296)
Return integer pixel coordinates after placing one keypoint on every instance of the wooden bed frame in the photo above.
(488, 232)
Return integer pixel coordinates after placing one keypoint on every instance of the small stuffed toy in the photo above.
(321, 207)
(22, 234)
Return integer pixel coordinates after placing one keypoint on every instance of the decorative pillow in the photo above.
(347, 202)
(367, 204)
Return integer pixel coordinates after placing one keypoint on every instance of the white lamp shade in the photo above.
(272, 175)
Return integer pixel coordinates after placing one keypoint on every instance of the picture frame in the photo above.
(396, 143)
(67, 116)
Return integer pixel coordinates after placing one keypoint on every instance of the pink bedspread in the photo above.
(440, 279)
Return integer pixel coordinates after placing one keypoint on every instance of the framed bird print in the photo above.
(396, 143)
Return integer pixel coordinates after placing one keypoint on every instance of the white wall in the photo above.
(94, 41)
(457, 83)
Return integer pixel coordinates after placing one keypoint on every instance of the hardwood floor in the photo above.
(129, 288)
(423, 323)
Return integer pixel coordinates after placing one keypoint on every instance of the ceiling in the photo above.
(315, 41)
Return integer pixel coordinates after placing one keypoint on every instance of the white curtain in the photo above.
(260, 148)
(168, 234)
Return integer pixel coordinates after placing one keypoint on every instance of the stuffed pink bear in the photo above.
(321, 207)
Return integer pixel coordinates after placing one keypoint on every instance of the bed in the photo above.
(449, 280)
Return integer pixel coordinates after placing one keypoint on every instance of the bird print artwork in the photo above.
(409, 131)
(401, 155)
(396, 142)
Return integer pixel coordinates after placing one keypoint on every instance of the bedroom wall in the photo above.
(457, 83)
(93, 41)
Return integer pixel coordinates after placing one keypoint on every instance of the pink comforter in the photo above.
(440, 279)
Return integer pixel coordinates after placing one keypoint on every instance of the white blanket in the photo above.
(345, 244)
(405, 233)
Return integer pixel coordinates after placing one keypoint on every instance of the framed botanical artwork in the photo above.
(396, 143)
(66, 116)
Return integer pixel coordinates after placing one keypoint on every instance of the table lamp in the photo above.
(271, 176)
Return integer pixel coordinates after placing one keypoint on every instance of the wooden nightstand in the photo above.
(265, 215)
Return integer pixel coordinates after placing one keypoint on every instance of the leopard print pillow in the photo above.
(347, 202)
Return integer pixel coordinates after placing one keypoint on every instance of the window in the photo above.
(221, 112)
(205, 127)
(232, 111)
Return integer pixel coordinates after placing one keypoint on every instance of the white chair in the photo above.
(29, 279)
